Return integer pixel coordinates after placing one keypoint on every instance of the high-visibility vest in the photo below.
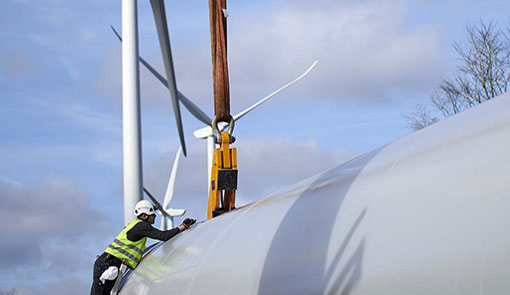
(125, 249)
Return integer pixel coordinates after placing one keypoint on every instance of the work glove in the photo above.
(186, 223)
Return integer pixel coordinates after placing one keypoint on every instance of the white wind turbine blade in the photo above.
(207, 131)
(241, 114)
(192, 108)
(171, 181)
(158, 8)
(167, 224)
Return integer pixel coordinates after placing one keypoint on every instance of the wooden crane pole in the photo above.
(223, 182)
(218, 19)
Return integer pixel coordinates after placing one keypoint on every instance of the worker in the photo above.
(129, 245)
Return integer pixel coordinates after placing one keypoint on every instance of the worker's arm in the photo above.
(144, 229)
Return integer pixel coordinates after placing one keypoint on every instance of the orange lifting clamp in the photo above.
(222, 190)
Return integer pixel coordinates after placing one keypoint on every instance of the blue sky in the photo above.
(60, 140)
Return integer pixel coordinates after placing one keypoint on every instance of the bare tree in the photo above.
(483, 73)
(421, 118)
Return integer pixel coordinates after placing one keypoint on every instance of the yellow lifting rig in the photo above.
(223, 185)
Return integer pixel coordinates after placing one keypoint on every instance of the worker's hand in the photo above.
(189, 221)
(186, 224)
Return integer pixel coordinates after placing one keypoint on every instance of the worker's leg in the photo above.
(98, 288)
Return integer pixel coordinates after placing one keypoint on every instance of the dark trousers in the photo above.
(103, 262)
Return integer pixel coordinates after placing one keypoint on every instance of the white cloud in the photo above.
(56, 207)
(365, 51)
(67, 41)
(45, 40)
(87, 34)
(108, 78)
(73, 71)
(90, 118)
(53, 11)
(10, 181)
(53, 233)
(81, 114)
(193, 79)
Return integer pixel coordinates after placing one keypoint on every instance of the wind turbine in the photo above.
(176, 96)
(208, 132)
(169, 223)
(166, 213)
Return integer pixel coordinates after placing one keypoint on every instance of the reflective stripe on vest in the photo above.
(131, 246)
(135, 260)
(125, 249)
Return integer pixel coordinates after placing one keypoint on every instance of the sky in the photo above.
(60, 117)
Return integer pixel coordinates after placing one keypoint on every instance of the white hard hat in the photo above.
(144, 206)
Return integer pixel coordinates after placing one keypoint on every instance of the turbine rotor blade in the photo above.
(171, 181)
(241, 114)
(116, 33)
(158, 8)
(192, 108)
(158, 205)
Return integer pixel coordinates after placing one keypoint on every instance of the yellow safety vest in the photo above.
(125, 249)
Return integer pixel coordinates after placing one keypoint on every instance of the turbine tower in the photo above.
(131, 122)
(131, 133)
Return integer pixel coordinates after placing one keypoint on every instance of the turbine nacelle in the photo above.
(167, 221)
(173, 212)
